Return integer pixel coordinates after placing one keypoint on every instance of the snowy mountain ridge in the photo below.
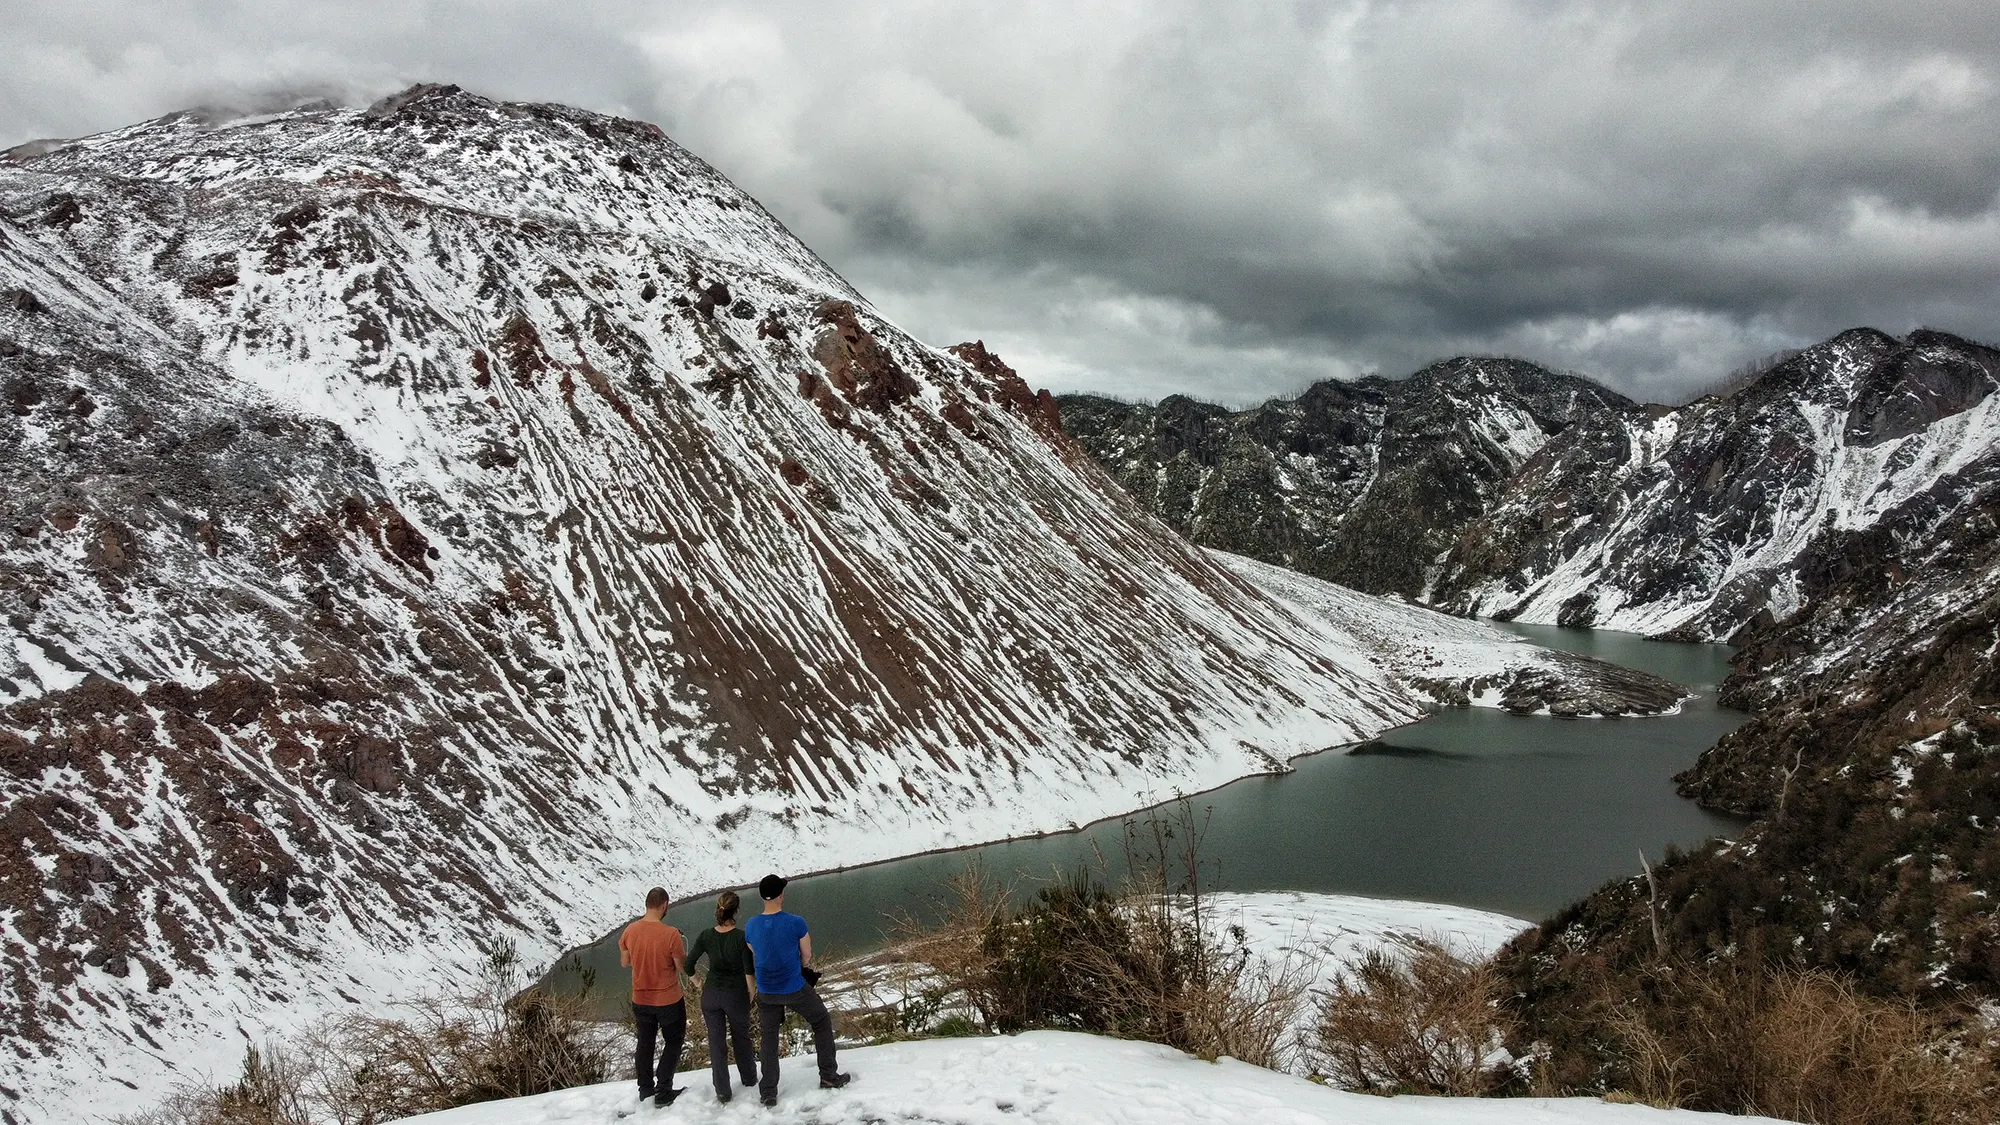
(426, 524)
(1701, 521)
(1491, 487)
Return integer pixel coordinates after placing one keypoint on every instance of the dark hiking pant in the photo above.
(771, 1014)
(670, 1022)
(720, 1006)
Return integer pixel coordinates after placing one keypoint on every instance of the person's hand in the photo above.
(812, 976)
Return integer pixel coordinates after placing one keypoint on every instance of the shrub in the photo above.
(1805, 1046)
(1419, 1020)
(498, 1042)
(272, 1090)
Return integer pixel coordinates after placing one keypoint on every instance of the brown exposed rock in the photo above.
(519, 346)
(374, 764)
(111, 547)
(1038, 407)
(404, 541)
(960, 417)
(234, 700)
(24, 396)
(595, 379)
(394, 537)
(857, 363)
(793, 472)
(713, 296)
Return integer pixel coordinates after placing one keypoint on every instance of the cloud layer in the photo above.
(1228, 200)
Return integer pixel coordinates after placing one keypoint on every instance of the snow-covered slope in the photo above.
(1056, 1078)
(1460, 662)
(1699, 521)
(462, 510)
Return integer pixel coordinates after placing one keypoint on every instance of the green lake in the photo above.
(1472, 806)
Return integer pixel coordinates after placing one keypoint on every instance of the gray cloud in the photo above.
(1223, 199)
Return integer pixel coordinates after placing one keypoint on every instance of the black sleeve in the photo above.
(695, 951)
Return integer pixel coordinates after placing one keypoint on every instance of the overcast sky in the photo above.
(1230, 199)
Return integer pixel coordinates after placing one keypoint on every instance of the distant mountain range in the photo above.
(1497, 488)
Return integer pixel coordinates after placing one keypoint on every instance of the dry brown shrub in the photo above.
(1419, 1020)
(947, 964)
(1805, 1046)
(272, 1090)
(441, 1052)
(1142, 962)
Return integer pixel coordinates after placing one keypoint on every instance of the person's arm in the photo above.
(806, 950)
(750, 967)
(694, 954)
(624, 953)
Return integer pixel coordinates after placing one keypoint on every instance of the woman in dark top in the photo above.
(725, 995)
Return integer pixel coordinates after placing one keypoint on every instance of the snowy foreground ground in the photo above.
(1054, 1077)
(1065, 1078)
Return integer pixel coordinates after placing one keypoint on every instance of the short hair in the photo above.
(656, 898)
(725, 906)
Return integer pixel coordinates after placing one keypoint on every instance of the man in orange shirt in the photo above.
(656, 954)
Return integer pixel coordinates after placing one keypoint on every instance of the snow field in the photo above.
(1049, 1078)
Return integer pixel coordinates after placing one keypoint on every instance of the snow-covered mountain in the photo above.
(1494, 488)
(1699, 521)
(435, 523)
(1366, 483)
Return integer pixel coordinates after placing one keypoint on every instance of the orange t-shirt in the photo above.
(657, 954)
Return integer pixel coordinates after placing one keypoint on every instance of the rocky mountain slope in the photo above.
(1700, 521)
(432, 524)
(1366, 483)
(1494, 488)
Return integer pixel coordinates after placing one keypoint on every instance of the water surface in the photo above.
(1472, 806)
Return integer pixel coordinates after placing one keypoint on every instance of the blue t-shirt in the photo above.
(774, 938)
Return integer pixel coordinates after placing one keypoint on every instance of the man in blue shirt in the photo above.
(783, 951)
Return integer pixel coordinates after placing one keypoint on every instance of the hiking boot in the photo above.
(835, 1082)
(770, 1102)
(667, 1097)
(722, 1097)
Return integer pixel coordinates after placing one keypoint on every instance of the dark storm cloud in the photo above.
(1231, 199)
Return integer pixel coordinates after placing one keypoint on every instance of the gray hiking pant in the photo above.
(730, 1008)
(771, 1014)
